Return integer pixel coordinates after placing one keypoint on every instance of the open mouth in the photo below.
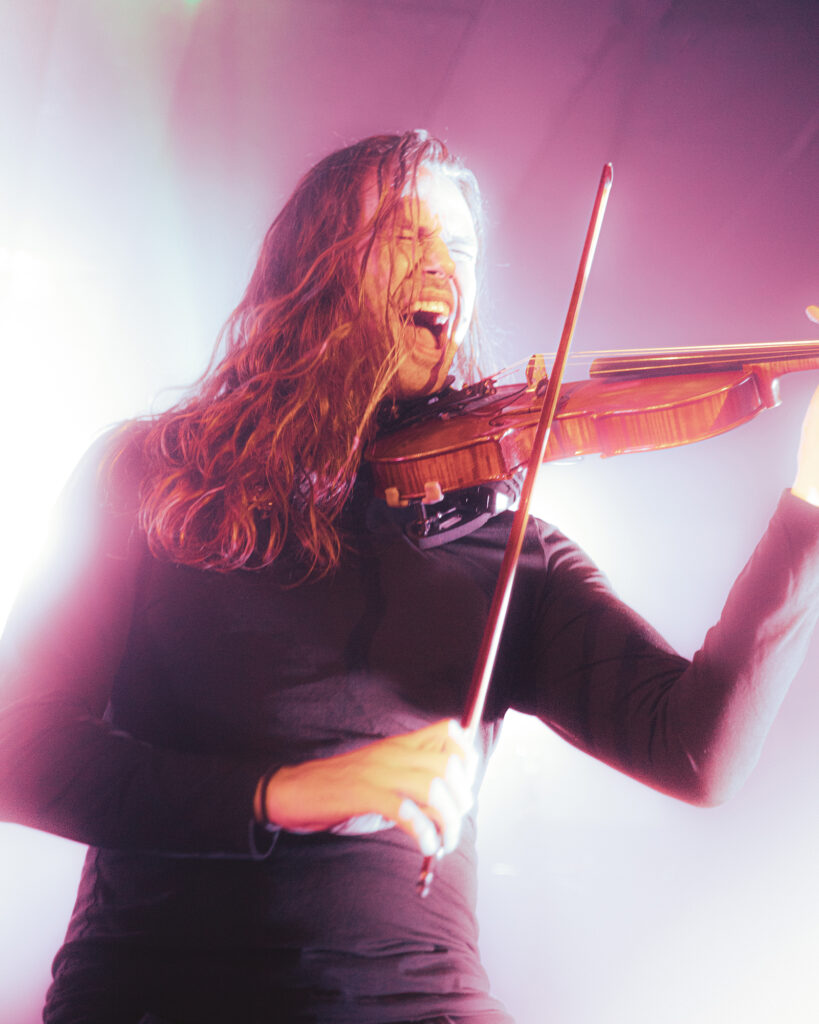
(432, 317)
(435, 324)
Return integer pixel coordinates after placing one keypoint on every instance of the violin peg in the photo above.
(392, 496)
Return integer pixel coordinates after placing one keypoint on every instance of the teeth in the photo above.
(431, 307)
(438, 312)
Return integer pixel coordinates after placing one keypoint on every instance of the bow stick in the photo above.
(485, 662)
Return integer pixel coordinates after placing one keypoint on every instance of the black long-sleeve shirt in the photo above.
(142, 700)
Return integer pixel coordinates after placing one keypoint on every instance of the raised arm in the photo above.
(603, 678)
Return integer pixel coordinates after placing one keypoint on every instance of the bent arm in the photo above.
(67, 768)
(604, 679)
(63, 767)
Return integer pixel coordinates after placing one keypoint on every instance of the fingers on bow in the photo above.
(437, 791)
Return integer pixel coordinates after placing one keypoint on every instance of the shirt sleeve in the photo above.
(602, 678)
(63, 767)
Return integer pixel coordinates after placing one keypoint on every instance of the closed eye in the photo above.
(462, 247)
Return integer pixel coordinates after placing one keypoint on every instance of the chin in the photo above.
(418, 383)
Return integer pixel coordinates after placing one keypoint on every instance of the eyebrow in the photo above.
(465, 240)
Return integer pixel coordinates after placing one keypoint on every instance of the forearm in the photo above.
(67, 772)
(739, 678)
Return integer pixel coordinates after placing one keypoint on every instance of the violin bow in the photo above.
(485, 661)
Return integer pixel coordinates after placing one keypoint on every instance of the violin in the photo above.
(634, 402)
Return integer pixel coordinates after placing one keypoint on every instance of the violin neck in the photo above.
(777, 358)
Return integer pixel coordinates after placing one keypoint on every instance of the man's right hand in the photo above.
(420, 781)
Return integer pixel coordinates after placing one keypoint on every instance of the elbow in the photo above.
(708, 796)
(715, 781)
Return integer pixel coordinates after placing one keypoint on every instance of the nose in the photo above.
(436, 258)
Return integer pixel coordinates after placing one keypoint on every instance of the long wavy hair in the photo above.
(262, 453)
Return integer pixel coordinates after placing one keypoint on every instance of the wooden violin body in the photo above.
(640, 402)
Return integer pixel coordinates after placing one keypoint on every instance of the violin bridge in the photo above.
(535, 371)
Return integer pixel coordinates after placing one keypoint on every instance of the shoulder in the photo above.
(110, 472)
(548, 559)
(543, 542)
(98, 508)
(560, 552)
(93, 544)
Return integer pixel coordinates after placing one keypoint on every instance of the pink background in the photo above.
(147, 144)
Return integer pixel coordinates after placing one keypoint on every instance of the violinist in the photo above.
(239, 678)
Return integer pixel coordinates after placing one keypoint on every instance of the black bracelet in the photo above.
(262, 833)
(261, 789)
(261, 839)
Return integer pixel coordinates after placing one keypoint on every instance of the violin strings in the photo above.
(752, 346)
(684, 350)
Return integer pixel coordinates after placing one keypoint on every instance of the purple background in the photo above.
(147, 144)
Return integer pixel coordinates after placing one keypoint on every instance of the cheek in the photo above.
(467, 287)
(384, 276)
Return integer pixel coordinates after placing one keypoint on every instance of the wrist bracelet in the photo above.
(261, 789)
